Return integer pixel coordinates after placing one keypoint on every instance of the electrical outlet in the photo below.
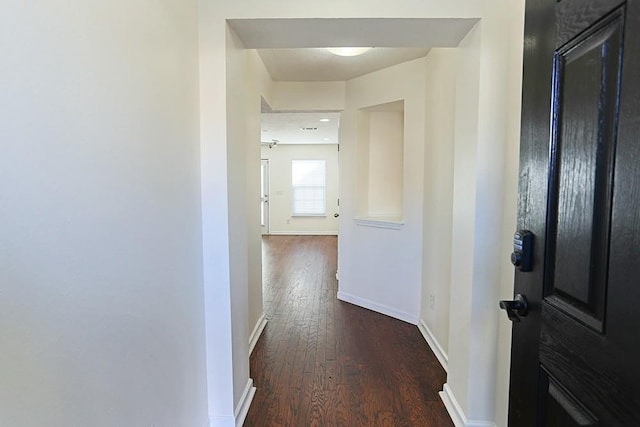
(432, 301)
(288, 221)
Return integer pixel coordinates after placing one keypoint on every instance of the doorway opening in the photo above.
(299, 173)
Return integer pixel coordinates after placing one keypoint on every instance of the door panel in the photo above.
(585, 94)
(575, 16)
(562, 409)
(576, 356)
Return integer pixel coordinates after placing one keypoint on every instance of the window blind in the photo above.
(309, 187)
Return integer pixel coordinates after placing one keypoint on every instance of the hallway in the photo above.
(324, 362)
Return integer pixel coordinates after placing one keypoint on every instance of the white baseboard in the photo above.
(380, 308)
(257, 331)
(456, 412)
(303, 233)
(433, 342)
(245, 402)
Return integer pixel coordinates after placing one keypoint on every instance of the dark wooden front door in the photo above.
(576, 354)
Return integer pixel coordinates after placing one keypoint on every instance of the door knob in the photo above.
(516, 309)
(335, 215)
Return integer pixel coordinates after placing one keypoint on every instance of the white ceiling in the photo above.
(318, 64)
(336, 32)
(293, 49)
(285, 128)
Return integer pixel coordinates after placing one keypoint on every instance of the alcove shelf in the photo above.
(380, 222)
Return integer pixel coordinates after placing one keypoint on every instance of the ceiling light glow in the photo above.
(325, 120)
(348, 51)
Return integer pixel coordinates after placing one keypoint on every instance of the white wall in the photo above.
(380, 268)
(515, 26)
(280, 197)
(438, 198)
(483, 212)
(101, 319)
(308, 96)
(239, 212)
(385, 157)
(232, 260)
(259, 85)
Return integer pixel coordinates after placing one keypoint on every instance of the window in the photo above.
(308, 185)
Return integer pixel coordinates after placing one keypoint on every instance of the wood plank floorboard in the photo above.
(324, 362)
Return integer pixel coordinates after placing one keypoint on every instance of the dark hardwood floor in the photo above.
(323, 362)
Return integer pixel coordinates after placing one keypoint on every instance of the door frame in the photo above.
(264, 196)
(476, 280)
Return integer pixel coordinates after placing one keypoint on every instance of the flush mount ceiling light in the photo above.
(325, 120)
(348, 51)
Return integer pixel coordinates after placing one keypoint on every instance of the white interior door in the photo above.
(264, 196)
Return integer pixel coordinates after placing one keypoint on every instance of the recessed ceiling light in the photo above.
(325, 120)
(326, 139)
(348, 51)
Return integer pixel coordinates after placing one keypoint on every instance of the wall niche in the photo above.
(381, 165)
